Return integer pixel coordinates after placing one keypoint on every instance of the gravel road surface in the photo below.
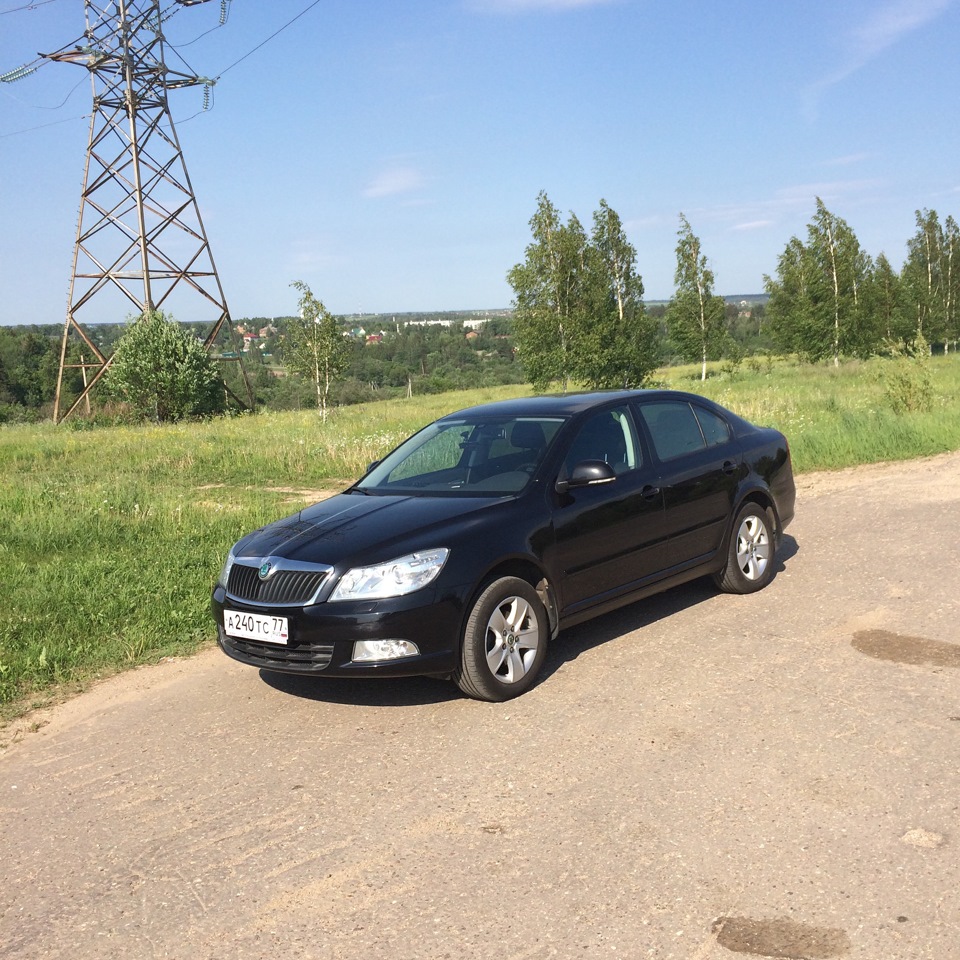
(698, 776)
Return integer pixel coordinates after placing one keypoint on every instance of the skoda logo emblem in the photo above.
(265, 569)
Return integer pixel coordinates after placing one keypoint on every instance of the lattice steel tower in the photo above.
(140, 238)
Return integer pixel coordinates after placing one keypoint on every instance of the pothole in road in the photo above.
(785, 939)
(916, 651)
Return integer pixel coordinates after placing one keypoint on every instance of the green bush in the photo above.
(163, 373)
(906, 378)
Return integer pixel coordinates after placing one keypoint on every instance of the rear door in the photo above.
(700, 465)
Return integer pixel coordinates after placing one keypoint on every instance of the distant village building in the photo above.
(251, 339)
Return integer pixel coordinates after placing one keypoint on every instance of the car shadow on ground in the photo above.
(417, 691)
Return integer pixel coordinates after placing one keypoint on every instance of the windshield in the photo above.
(491, 457)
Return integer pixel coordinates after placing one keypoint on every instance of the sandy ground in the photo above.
(698, 776)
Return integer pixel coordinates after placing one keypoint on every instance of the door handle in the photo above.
(729, 468)
(650, 493)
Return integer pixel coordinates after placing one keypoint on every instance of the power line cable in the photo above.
(28, 6)
(67, 97)
(224, 8)
(179, 56)
(307, 9)
(169, 12)
(43, 126)
(36, 106)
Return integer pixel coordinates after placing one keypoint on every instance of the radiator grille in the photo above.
(295, 587)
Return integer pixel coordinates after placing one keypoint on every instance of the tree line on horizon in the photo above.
(578, 317)
(580, 314)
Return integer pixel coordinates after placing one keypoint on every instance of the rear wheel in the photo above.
(751, 554)
(504, 641)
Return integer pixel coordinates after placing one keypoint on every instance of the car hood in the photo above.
(368, 529)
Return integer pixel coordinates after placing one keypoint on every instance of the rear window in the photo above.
(715, 429)
(673, 427)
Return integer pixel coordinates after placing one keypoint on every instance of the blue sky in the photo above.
(389, 153)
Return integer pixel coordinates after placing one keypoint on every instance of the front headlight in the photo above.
(224, 577)
(392, 579)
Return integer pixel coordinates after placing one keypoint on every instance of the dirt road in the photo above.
(699, 776)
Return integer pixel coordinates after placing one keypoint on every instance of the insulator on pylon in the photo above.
(14, 75)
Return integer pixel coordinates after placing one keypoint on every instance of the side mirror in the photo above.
(588, 473)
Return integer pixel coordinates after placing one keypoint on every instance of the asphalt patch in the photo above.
(916, 651)
(783, 939)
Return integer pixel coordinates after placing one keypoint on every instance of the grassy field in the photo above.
(113, 537)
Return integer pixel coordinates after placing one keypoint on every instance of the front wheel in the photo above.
(751, 554)
(504, 642)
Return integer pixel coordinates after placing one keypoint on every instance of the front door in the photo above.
(607, 536)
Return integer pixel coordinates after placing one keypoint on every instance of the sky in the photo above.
(389, 153)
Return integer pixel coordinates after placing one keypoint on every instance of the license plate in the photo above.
(255, 626)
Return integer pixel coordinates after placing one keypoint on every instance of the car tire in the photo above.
(751, 554)
(504, 642)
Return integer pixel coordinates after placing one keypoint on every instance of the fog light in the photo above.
(365, 651)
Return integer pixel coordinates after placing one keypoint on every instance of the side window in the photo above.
(715, 429)
(674, 428)
(606, 436)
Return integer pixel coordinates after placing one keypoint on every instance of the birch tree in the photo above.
(696, 318)
(923, 277)
(950, 269)
(790, 310)
(618, 347)
(315, 346)
(932, 277)
(818, 302)
(841, 272)
(579, 313)
(887, 304)
(548, 288)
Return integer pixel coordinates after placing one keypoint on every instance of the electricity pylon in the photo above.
(140, 238)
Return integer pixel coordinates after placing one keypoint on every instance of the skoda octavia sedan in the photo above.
(467, 549)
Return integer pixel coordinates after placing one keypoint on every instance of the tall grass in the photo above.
(112, 538)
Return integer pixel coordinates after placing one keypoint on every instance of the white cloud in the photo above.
(783, 205)
(882, 29)
(753, 225)
(887, 25)
(826, 190)
(394, 181)
(652, 220)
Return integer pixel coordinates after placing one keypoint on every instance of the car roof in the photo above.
(566, 404)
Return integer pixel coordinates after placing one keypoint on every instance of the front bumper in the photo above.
(322, 635)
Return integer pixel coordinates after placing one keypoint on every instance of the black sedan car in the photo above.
(472, 544)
